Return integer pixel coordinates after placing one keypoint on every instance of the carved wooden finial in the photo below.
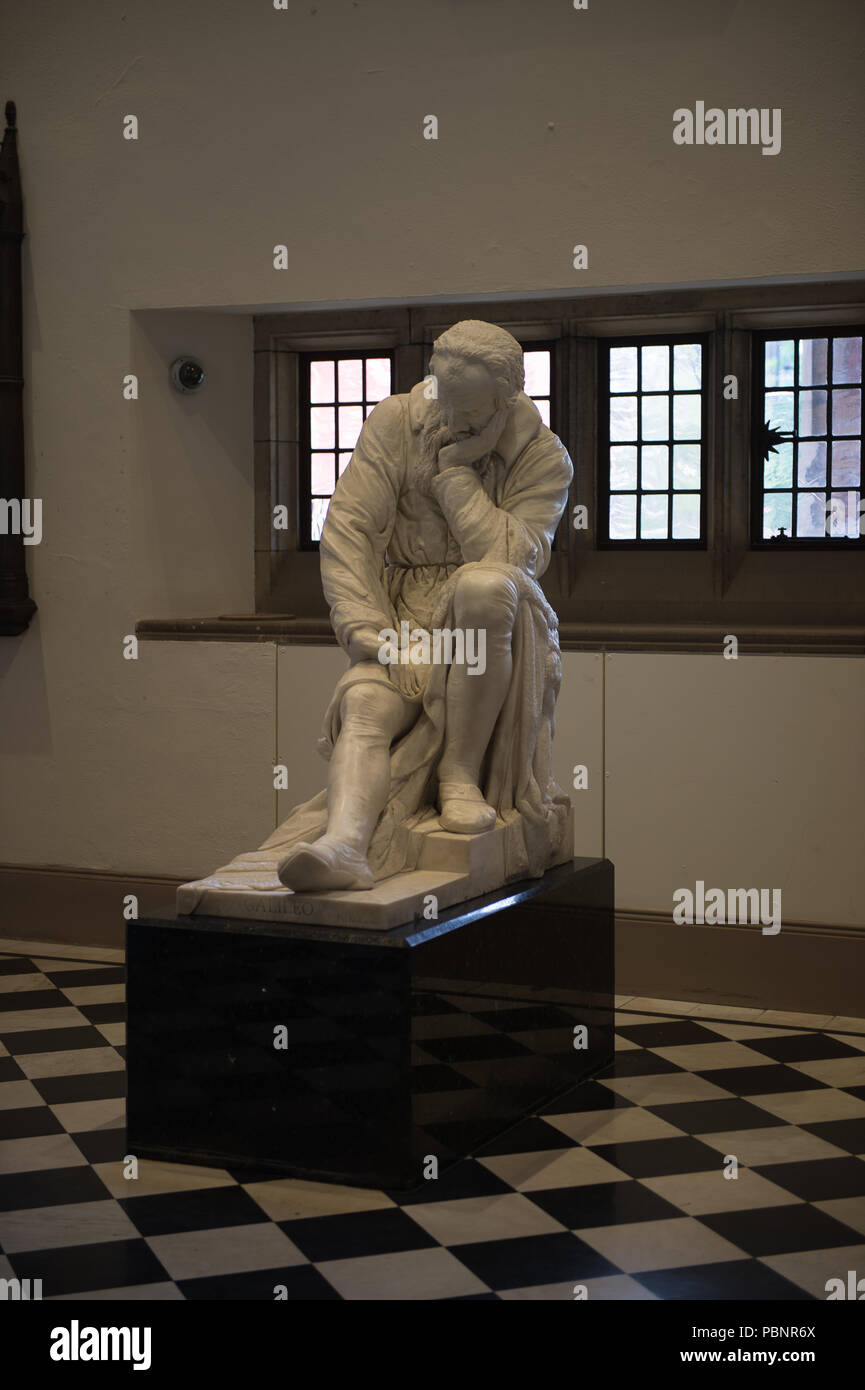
(10, 114)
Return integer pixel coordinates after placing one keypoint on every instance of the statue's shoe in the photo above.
(463, 809)
(324, 864)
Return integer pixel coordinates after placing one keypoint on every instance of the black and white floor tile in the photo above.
(618, 1186)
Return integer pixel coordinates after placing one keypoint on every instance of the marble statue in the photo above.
(435, 539)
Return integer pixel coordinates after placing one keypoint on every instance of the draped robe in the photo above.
(391, 552)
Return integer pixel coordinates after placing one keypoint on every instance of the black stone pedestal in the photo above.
(354, 1056)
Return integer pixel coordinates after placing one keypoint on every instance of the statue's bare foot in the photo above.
(463, 809)
(325, 864)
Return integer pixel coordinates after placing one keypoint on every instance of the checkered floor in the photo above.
(619, 1186)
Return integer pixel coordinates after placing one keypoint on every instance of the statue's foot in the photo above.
(325, 864)
(463, 809)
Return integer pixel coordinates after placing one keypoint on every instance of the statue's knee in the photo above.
(485, 597)
(366, 708)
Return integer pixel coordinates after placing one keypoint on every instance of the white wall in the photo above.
(306, 678)
(141, 765)
(742, 774)
(304, 127)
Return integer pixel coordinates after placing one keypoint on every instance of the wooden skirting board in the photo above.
(807, 967)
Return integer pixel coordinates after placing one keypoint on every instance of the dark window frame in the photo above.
(555, 395)
(758, 491)
(604, 490)
(651, 598)
(304, 496)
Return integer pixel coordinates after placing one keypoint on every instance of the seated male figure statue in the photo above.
(442, 522)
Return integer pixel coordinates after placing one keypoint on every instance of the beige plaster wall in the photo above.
(304, 126)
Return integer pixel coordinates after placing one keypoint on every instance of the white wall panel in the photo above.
(742, 774)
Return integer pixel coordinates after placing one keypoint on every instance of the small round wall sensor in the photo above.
(187, 374)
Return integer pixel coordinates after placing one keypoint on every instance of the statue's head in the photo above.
(478, 369)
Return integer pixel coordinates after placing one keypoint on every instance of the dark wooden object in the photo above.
(16, 605)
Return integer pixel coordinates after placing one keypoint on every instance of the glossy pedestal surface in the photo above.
(350, 1056)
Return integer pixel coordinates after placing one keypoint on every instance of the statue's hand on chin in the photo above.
(466, 452)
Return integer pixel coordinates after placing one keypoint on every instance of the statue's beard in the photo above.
(434, 435)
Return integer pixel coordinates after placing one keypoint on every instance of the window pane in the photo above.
(623, 417)
(650, 415)
(343, 391)
(321, 381)
(846, 412)
(847, 360)
(319, 511)
(656, 368)
(623, 369)
(623, 466)
(537, 367)
(823, 414)
(779, 410)
(778, 467)
(656, 466)
(350, 376)
(812, 464)
(321, 427)
(377, 378)
(687, 366)
(844, 519)
(811, 515)
(780, 362)
(653, 518)
(846, 464)
(350, 421)
(322, 475)
(813, 361)
(812, 412)
(656, 417)
(777, 512)
(686, 465)
(686, 417)
(686, 518)
(544, 411)
(623, 518)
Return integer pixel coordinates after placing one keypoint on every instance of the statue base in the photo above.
(450, 868)
(333, 1054)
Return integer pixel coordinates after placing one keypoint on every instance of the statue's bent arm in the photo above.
(520, 531)
(359, 525)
